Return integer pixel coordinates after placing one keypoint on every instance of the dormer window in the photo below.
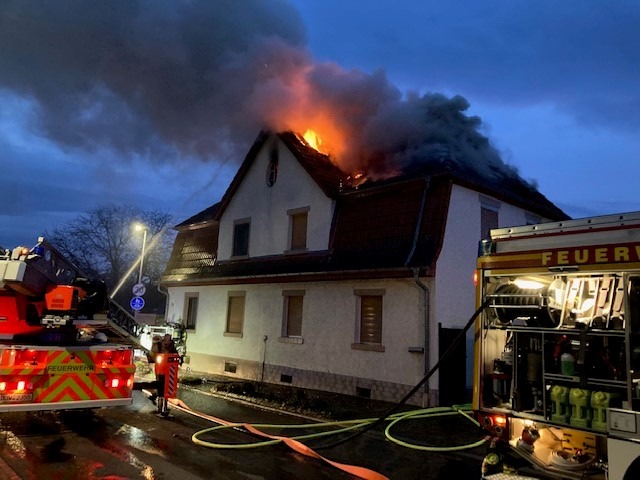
(298, 229)
(241, 230)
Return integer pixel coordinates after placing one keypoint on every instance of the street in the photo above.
(133, 442)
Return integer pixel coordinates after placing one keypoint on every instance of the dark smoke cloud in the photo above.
(129, 74)
(159, 79)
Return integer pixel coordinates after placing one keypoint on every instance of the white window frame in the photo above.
(188, 313)
(286, 296)
(236, 224)
(359, 344)
(232, 295)
(292, 213)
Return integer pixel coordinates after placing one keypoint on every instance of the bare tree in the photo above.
(104, 245)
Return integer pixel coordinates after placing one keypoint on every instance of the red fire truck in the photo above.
(557, 351)
(63, 343)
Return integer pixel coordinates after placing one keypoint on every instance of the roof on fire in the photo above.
(380, 228)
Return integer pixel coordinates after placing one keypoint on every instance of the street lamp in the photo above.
(139, 227)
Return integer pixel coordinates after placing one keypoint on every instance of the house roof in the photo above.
(318, 165)
(391, 225)
(200, 218)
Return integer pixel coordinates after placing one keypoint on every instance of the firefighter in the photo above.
(161, 345)
(167, 345)
(151, 357)
(155, 349)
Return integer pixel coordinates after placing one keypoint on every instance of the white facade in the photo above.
(327, 355)
(328, 330)
(455, 294)
(267, 207)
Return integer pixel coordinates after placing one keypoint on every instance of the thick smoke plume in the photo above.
(161, 79)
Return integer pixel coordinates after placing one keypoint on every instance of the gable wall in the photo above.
(455, 292)
(267, 206)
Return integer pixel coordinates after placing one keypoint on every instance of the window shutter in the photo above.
(488, 221)
(235, 315)
(371, 319)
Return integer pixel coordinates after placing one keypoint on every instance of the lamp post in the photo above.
(139, 227)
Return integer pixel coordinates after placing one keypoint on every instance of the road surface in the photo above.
(134, 443)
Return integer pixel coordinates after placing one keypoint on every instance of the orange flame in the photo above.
(313, 139)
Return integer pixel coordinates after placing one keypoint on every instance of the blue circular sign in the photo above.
(137, 303)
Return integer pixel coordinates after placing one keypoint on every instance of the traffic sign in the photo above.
(137, 303)
(139, 289)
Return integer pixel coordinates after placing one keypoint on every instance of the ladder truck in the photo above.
(64, 344)
(557, 348)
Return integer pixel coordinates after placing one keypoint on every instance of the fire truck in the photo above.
(557, 350)
(64, 344)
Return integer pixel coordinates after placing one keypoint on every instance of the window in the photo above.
(298, 229)
(292, 308)
(235, 313)
(272, 168)
(190, 310)
(241, 238)
(489, 208)
(531, 219)
(488, 221)
(369, 320)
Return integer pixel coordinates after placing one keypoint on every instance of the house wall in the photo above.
(454, 289)
(323, 358)
(267, 206)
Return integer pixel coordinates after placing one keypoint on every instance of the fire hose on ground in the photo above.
(335, 428)
(360, 426)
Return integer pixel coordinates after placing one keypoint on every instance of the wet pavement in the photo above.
(133, 443)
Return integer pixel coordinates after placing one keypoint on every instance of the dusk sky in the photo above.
(155, 103)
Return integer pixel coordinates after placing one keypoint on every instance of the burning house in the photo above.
(307, 275)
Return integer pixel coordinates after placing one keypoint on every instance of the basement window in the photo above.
(363, 392)
(286, 378)
(230, 367)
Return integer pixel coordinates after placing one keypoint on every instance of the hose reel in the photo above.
(538, 307)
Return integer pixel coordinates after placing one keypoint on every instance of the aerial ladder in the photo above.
(64, 343)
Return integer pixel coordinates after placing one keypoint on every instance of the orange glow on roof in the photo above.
(313, 139)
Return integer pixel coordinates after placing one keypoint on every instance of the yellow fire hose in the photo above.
(330, 428)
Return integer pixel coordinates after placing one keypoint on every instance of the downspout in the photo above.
(425, 292)
(264, 359)
(166, 302)
(427, 336)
